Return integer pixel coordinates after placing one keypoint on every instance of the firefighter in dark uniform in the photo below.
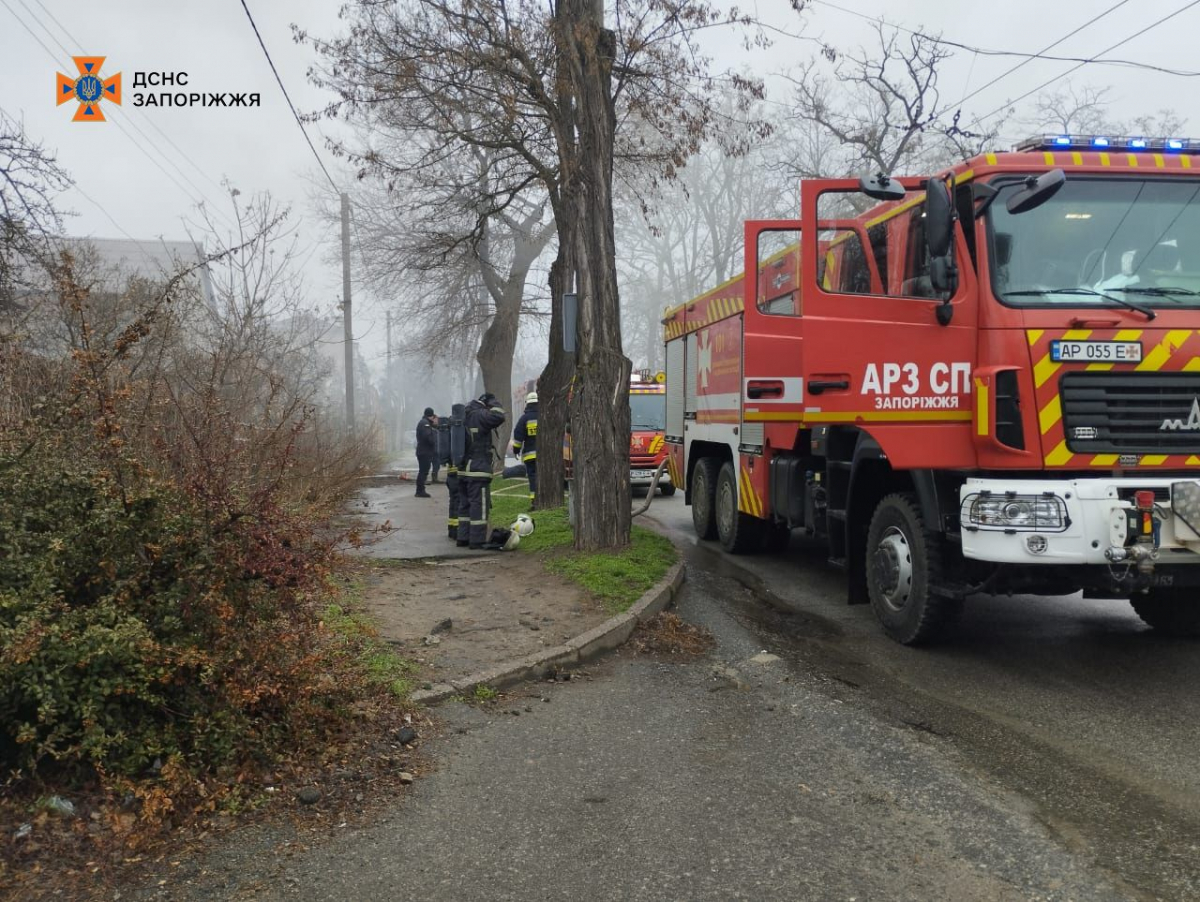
(426, 449)
(482, 417)
(462, 495)
(524, 443)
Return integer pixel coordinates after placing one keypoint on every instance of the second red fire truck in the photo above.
(984, 381)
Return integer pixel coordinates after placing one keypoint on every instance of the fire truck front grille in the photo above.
(643, 461)
(1131, 413)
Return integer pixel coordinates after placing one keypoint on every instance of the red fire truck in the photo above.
(647, 418)
(984, 381)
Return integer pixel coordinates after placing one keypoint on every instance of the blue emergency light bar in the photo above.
(1109, 142)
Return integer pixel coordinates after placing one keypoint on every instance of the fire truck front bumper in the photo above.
(1127, 524)
(641, 477)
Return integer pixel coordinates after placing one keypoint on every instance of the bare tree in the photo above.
(29, 178)
(454, 271)
(1074, 109)
(497, 76)
(687, 236)
(879, 110)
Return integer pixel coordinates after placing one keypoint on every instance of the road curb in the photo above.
(611, 634)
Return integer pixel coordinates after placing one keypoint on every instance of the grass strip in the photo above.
(381, 665)
(617, 579)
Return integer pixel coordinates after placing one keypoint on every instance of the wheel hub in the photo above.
(892, 564)
(724, 508)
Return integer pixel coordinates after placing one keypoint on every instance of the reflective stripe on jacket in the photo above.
(525, 434)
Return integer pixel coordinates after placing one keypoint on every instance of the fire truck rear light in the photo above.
(1144, 500)
(1041, 513)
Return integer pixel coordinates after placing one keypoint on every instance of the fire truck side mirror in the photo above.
(1036, 191)
(939, 218)
(939, 236)
(881, 187)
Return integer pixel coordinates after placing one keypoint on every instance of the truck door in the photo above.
(773, 328)
(875, 353)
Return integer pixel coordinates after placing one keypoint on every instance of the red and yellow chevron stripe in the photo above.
(748, 500)
(1163, 350)
(707, 311)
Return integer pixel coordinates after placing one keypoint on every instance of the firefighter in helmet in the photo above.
(482, 417)
(524, 443)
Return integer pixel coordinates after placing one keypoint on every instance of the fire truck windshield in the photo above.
(1098, 241)
(648, 412)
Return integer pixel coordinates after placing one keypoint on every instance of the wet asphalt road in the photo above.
(1048, 753)
(1073, 704)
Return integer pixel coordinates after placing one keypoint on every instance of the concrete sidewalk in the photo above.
(476, 617)
(417, 525)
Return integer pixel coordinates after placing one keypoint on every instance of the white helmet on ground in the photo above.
(523, 525)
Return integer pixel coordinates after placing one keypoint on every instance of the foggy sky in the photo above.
(261, 148)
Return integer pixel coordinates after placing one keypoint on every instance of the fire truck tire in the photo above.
(740, 533)
(704, 493)
(1171, 612)
(668, 490)
(904, 563)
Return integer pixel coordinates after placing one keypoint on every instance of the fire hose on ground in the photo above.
(653, 487)
(641, 510)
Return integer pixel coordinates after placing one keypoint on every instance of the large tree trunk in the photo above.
(495, 357)
(554, 386)
(600, 403)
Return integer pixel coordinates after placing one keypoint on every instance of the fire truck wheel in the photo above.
(668, 490)
(739, 533)
(704, 490)
(903, 563)
(1172, 612)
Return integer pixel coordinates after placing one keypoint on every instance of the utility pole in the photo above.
(390, 401)
(347, 322)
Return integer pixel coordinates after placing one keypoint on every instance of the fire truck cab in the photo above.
(984, 381)
(647, 420)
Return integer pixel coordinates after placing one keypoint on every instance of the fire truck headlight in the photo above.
(1010, 511)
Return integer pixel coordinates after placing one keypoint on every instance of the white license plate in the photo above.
(1096, 351)
(641, 474)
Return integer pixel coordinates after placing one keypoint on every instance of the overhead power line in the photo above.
(1026, 57)
(291, 105)
(1003, 75)
(1062, 75)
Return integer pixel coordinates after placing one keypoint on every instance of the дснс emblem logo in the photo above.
(88, 88)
